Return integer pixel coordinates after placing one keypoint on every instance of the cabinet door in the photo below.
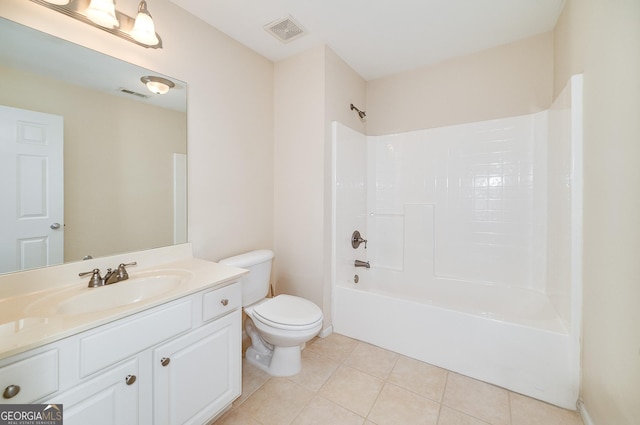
(197, 375)
(108, 399)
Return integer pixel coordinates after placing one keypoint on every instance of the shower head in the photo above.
(361, 114)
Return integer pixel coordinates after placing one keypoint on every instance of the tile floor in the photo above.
(344, 381)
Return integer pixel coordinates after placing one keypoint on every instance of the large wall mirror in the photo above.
(112, 178)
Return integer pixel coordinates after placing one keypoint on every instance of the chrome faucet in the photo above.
(112, 276)
(96, 280)
(364, 264)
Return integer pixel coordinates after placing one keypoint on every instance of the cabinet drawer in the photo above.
(116, 343)
(36, 376)
(221, 301)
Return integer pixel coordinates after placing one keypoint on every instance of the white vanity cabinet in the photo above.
(195, 376)
(176, 363)
(111, 398)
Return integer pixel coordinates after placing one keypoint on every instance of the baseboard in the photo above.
(326, 331)
(584, 414)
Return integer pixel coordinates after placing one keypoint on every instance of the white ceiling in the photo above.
(381, 37)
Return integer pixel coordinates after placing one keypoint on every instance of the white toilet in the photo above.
(277, 326)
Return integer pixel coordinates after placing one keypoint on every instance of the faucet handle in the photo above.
(122, 271)
(357, 239)
(96, 280)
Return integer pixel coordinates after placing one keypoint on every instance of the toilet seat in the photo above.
(288, 312)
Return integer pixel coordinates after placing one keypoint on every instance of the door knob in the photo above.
(55, 226)
(165, 361)
(130, 379)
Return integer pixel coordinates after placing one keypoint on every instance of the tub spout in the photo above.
(364, 264)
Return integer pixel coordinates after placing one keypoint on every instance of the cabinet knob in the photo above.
(130, 379)
(165, 361)
(11, 391)
(224, 302)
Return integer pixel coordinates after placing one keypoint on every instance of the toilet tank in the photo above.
(255, 285)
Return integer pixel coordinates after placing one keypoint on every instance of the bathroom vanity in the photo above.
(165, 350)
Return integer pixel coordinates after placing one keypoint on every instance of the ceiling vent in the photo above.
(132, 93)
(285, 29)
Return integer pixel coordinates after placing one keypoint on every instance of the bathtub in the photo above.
(509, 337)
(475, 244)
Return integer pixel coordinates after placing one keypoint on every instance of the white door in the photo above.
(31, 189)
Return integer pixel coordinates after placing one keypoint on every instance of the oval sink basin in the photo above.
(120, 294)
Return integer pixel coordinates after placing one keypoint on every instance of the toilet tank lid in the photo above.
(248, 259)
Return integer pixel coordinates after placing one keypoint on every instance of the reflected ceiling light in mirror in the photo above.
(143, 28)
(157, 85)
(103, 14)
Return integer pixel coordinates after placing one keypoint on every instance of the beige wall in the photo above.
(230, 118)
(118, 157)
(569, 44)
(299, 174)
(509, 80)
(603, 38)
(311, 90)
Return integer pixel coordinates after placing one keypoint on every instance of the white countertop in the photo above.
(29, 313)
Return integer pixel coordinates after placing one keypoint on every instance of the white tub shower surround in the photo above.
(474, 236)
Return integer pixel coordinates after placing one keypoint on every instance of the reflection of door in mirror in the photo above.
(31, 172)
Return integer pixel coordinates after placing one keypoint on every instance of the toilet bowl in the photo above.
(277, 326)
(276, 338)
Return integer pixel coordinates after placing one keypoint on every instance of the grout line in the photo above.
(510, 410)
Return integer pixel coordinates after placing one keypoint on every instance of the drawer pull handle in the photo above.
(11, 391)
(224, 302)
(165, 361)
(130, 379)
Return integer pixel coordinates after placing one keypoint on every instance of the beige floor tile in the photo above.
(528, 411)
(477, 399)
(277, 402)
(449, 416)
(334, 346)
(316, 369)
(252, 379)
(321, 411)
(343, 380)
(421, 378)
(373, 360)
(236, 417)
(352, 389)
(396, 405)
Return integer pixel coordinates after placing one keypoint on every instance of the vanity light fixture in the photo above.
(157, 85)
(103, 14)
(143, 28)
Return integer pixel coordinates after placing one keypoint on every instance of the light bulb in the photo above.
(103, 13)
(157, 87)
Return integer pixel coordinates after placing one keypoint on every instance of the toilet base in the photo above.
(282, 361)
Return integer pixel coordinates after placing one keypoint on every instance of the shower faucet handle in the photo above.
(356, 240)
